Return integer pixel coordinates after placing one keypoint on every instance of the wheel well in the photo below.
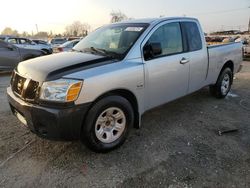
(130, 97)
(228, 64)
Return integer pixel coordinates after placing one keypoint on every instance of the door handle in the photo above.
(184, 60)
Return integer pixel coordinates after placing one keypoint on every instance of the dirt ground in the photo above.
(177, 146)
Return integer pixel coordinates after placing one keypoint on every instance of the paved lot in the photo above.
(178, 146)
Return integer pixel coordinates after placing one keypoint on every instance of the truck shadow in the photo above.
(181, 131)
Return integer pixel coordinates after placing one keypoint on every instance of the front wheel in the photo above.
(107, 124)
(223, 84)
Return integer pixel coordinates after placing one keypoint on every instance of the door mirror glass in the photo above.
(151, 50)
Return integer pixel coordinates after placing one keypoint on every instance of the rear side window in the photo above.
(193, 36)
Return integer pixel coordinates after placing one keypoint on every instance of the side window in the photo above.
(193, 36)
(170, 38)
(12, 40)
(24, 41)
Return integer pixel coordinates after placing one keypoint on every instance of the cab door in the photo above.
(166, 66)
(198, 60)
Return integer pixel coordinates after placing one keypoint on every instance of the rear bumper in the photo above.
(50, 50)
(52, 123)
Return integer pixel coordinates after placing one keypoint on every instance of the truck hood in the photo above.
(55, 66)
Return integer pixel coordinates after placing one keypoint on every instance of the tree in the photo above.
(77, 29)
(25, 34)
(9, 31)
(117, 16)
(41, 34)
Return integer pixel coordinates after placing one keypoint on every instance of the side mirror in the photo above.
(151, 50)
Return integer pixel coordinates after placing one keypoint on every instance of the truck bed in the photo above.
(218, 55)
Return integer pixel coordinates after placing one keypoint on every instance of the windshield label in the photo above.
(136, 29)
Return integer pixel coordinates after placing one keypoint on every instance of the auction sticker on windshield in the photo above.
(136, 29)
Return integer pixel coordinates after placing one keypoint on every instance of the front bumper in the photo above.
(49, 122)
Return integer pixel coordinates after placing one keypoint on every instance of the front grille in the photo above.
(31, 90)
(17, 83)
(24, 87)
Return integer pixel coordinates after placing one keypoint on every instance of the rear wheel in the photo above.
(46, 52)
(223, 84)
(107, 124)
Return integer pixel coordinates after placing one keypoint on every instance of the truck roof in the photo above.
(155, 20)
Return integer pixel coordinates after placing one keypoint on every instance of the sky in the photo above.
(55, 15)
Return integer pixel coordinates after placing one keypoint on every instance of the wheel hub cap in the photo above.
(110, 125)
(225, 84)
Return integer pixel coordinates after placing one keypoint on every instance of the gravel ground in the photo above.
(177, 146)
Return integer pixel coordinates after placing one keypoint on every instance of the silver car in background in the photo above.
(26, 43)
(11, 55)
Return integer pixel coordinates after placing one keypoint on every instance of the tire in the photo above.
(223, 84)
(107, 124)
(45, 51)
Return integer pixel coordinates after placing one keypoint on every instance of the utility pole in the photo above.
(36, 28)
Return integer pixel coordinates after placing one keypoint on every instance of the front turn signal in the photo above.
(73, 91)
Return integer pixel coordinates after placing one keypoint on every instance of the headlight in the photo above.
(62, 90)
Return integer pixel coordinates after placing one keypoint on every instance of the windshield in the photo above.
(113, 40)
(58, 41)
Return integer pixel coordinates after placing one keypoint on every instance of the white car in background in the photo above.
(246, 45)
(54, 42)
(66, 47)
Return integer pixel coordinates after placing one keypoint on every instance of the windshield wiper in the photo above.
(104, 52)
(74, 50)
(99, 50)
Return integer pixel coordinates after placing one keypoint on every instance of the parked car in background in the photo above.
(57, 41)
(11, 55)
(39, 41)
(242, 40)
(44, 43)
(74, 38)
(65, 47)
(27, 43)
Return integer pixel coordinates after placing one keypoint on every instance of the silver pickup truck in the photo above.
(100, 90)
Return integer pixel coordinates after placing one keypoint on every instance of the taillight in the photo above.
(60, 49)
